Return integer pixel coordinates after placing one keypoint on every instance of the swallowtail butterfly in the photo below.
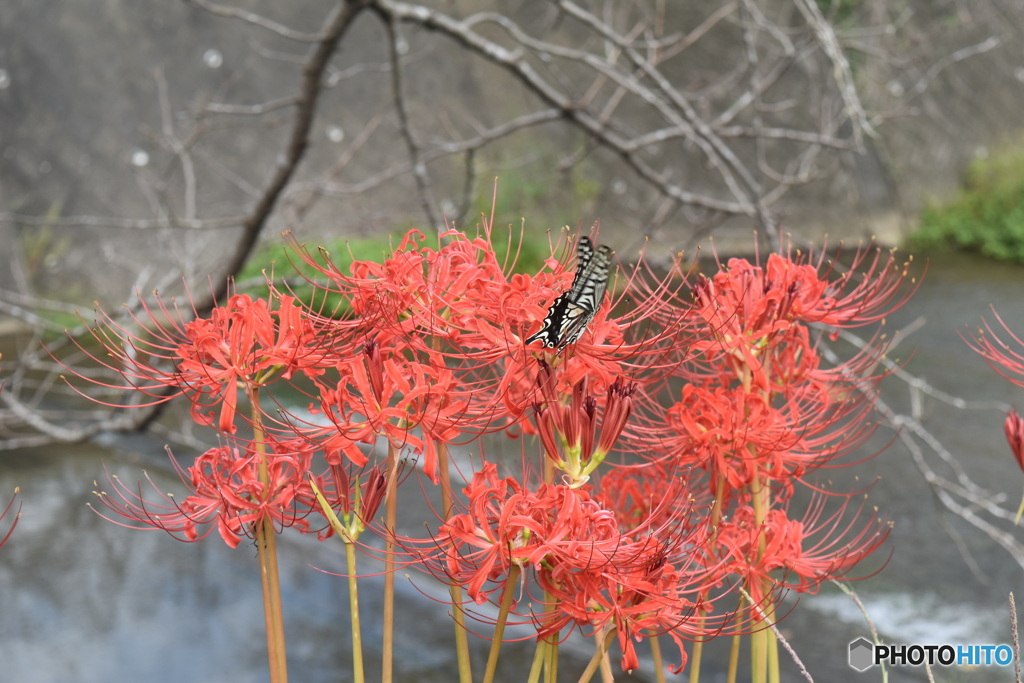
(573, 310)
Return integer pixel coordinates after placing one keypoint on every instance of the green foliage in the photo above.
(290, 274)
(42, 246)
(529, 256)
(840, 12)
(986, 216)
(538, 189)
(276, 261)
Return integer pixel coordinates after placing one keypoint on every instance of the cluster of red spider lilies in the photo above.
(663, 489)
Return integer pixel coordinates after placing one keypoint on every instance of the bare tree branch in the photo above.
(514, 61)
(251, 109)
(328, 187)
(842, 73)
(122, 223)
(335, 26)
(419, 168)
(180, 149)
(261, 21)
(990, 43)
(963, 497)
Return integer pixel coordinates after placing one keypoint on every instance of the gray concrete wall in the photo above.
(90, 89)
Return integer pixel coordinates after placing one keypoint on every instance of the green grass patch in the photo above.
(291, 273)
(987, 214)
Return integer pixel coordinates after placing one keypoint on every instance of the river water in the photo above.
(84, 600)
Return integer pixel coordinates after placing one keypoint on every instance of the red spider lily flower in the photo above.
(641, 583)
(1014, 428)
(653, 587)
(382, 393)
(357, 502)
(758, 318)
(593, 574)
(422, 295)
(832, 545)
(426, 305)
(448, 315)
(459, 302)
(472, 551)
(747, 307)
(813, 549)
(758, 403)
(17, 516)
(507, 524)
(641, 595)
(742, 437)
(871, 287)
(1000, 348)
(735, 434)
(575, 424)
(243, 343)
(1008, 361)
(753, 552)
(656, 495)
(227, 489)
(617, 409)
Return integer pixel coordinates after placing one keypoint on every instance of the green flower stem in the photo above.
(266, 544)
(759, 656)
(353, 602)
(499, 627)
(353, 584)
(695, 656)
(599, 652)
(552, 660)
(461, 638)
(759, 639)
(539, 657)
(734, 658)
(659, 665)
(773, 651)
(716, 519)
(606, 668)
(390, 524)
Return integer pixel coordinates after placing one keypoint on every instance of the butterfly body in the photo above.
(573, 309)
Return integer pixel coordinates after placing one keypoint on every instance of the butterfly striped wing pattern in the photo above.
(573, 309)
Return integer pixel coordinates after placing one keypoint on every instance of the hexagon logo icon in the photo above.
(862, 654)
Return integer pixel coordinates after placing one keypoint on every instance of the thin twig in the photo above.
(990, 43)
(778, 634)
(843, 74)
(251, 109)
(867, 619)
(121, 223)
(312, 84)
(514, 61)
(419, 167)
(1016, 639)
(180, 150)
(259, 20)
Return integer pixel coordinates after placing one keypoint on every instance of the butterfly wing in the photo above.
(586, 296)
(584, 255)
(591, 279)
(552, 331)
(572, 311)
